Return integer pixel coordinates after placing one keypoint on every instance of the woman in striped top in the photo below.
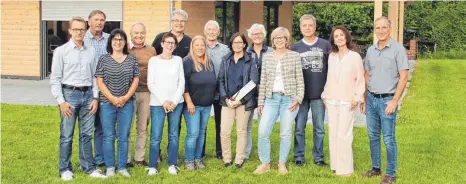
(117, 77)
(166, 85)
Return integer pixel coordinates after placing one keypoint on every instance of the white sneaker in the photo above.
(124, 172)
(110, 171)
(173, 170)
(67, 175)
(151, 171)
(97, 174)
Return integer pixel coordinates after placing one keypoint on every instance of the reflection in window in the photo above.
(270, 17)
(227, 16)
(57, 35)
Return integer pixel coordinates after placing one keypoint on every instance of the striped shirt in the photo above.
(118, 77)
(100, 45)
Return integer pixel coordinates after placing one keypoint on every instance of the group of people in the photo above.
(105, 79)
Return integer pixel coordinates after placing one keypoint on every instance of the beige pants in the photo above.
(142, 111)
(228, 117)
(340, 130)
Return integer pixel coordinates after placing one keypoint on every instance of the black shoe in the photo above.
(299, 163)
(141, 163)
(219, 156)
(321, 163)
(372, 173)
(130, 164)
(239, 166)
(100, 165)
(227, 164)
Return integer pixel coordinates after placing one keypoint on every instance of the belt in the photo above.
(278, 93)
(382, 95)
(84, 88)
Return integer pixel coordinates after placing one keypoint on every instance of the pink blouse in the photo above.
(345, 78)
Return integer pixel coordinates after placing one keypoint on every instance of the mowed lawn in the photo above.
(431, 135)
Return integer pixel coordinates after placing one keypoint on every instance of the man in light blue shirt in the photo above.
(97, 39)
(74, 87)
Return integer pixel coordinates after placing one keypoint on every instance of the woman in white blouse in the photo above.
(343, 92)
(166, 85)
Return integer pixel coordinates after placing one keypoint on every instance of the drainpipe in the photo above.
(171, 10)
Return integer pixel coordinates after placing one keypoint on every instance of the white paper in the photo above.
(244, 91)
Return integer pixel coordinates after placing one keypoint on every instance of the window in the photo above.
(227, 16)
(57, 34)
(270, 17)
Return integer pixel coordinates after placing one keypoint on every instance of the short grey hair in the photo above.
(306, 17)
(386, 19)
(180, 12)
(212, 22)
(137, 23)
(257, 26)
(95, 12)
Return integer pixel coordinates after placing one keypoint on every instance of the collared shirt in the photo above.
(100, 45)
(143, 56)
(257, 58)
(216, 55)
(131, 44)
(235, 75)
(384, 66)
(73, 66)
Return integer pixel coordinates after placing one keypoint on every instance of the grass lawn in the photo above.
(431, 135)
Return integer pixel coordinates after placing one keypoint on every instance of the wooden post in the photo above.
(402, 21)
(393, 17)
(378, 6)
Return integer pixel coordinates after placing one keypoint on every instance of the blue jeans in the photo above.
(80, 102)
(196, 126)
(318, 114)
(123, 117)
(273, 107)
(157, 119)
(376, 121)
(98, 140)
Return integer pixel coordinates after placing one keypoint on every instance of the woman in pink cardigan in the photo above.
(343, 92)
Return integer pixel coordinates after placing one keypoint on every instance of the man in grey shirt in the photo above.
(386, 66)
(74, 87)
(215, 51)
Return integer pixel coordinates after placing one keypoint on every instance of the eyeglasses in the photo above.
(238, 43)
(278, 38)
(118, 40)
(179, 21)
(170, 43)
(78, 30)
